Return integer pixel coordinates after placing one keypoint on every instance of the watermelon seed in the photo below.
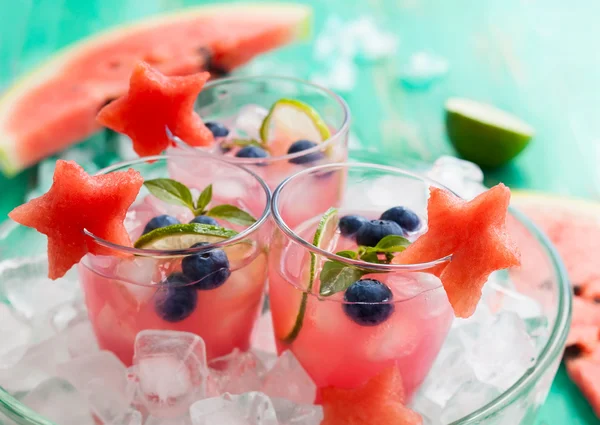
(572, 352)
(577, 290)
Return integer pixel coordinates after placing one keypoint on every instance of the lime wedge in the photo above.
(296, 120)
(484, 134)
(324, 238)
(182, 236)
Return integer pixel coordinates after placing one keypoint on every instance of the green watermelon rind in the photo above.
(9, 163)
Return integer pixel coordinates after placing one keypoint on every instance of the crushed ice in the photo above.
(50, 361)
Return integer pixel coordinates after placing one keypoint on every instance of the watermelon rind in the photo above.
(10, 164)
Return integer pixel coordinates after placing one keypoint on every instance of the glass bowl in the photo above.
(542, 277)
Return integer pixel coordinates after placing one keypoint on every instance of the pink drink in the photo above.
(241, 104)
(125, 290)
(410, 338)
(334, 348)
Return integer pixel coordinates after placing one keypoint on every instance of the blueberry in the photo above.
(217, 129)
(360, 294)
(407, 219)
(203, 219)
(160, 221)
(302, 145)
(372, 232)
(174, 302)
(251, 152)
(209, 269)
(349, 224)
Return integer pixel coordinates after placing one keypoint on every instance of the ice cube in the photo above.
(102, 378)
(288, 379)
(15, 336)
(80, 339)
(24, 283)
(252, 408)
(290, 413)
(58, 401)
(38, 364)
(238, 372)
(373, 43)
(248, 121)
(340, 76)
(463, 177)
(130, 417)
(263, 338)
(171, 370)
(471, 396)
(423, 69)
(502, 353)
(447, 374)
(65, 315)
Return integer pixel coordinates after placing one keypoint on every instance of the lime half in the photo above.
(294, 119)
(183, 236)
(324, 238)
(484, 134)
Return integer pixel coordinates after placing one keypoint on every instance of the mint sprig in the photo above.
(176, 193)
(337, 276)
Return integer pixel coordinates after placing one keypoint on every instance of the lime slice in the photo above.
(296, 120)
(183, 236)
(484, 134)
(324, 238)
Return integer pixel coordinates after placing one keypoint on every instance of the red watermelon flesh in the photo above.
(585, 372)
(378, 402)
(573, 226)
(474, 233)
(78, 201)
(56, 105)
(153, 103)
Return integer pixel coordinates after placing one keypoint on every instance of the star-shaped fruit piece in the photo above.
(380, 401)
(78, 201)
(474, 233)
(154, 103)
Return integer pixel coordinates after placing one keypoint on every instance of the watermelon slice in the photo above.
(573, 226)
(56, 106)
(156, 102)
(77, 201)
(474, 233)
(378, 402)
(585, 372)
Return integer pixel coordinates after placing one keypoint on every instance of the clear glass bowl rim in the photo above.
(553, 349)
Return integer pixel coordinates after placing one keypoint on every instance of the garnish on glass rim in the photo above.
(337, 276)
(176, 193)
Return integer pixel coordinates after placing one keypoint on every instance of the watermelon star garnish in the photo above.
(78, 201)
(380, 401)
(474, 233)
(154, 103)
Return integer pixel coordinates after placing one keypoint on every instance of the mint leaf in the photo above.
(371, 257)
(347, 254)
(232, 214)
(336, 277)
(171, 191)
(204, 199)
(391, 243)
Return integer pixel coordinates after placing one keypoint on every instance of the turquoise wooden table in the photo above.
(536, 58)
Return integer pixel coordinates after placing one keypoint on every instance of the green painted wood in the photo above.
(536, 58)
